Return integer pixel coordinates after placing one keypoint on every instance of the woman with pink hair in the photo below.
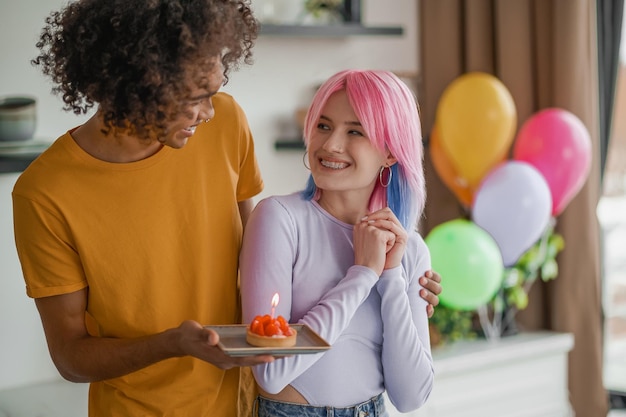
(346, 258)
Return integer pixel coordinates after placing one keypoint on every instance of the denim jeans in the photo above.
(264, 407)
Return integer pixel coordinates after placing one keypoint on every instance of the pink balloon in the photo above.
(557, 143)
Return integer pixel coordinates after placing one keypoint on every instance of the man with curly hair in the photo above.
(129, 226)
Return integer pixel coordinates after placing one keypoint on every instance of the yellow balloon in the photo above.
(476, 117)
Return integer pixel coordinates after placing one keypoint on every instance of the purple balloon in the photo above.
(513, 204)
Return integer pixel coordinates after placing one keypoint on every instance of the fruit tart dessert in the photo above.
(267, 331)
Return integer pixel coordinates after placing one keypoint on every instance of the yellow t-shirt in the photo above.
(156, 241)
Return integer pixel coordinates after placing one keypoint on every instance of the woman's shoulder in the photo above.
(279, 212)
(417, 252)
(416, 239)
(292, 203)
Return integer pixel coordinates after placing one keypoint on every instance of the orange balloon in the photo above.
(459, 186)
(476, 117)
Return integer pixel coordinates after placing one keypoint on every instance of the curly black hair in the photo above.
(134, 57)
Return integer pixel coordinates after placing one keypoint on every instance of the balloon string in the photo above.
(493, 328)
(491, 332)
(543, 245)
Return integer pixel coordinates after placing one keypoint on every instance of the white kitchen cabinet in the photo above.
(517, 376)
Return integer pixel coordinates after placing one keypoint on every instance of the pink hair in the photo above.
(387, 110)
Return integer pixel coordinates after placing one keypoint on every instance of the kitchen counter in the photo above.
(17, 156)
(518, 376)
(524, 375)
(15, 164)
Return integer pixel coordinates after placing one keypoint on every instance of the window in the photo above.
(612, 217)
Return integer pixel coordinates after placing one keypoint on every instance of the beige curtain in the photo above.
(544, 51)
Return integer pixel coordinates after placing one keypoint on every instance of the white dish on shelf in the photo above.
(23, 143)
(23, 147)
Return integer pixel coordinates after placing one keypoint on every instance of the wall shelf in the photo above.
(289, 145)
(15, 164)
(326, 31)
(17, 156)
(352, 25)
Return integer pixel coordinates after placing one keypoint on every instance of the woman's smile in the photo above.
(333, 164)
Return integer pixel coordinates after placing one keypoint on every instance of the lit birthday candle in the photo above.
(275, 300)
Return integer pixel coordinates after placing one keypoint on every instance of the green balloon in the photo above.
(469, 262)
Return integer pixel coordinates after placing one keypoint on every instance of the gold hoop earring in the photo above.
(389, 177)
(304, 158)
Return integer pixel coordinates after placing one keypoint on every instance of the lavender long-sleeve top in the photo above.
(377, 326)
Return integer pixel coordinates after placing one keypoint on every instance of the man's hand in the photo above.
(201, 342)
(431, 281)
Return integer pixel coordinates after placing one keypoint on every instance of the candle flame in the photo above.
(275, 300)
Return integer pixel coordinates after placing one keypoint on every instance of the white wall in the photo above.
(282, 79)
(287, 69)
(24, 357)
